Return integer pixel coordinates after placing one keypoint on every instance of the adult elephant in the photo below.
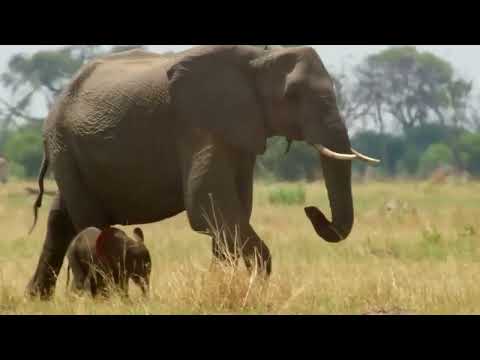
(138, 137)
(3, 170)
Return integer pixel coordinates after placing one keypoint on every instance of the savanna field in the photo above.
(415, 249)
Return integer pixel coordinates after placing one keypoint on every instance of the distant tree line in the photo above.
(33, 80)
(407, 107)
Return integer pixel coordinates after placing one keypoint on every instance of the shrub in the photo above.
(16, 170)
(24, 147)
(435, 156)
(469, 145)
(288, 196)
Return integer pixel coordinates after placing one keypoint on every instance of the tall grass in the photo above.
(414, 249)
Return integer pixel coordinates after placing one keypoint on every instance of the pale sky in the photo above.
(464, 58)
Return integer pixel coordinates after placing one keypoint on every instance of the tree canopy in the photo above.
(409, 108)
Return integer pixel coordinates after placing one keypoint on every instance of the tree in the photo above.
(469, 147)
(44, 73)
(437, 155)
(43, 76)
(354, 111)
(411, 87)
(24, 148)
(401, 88)
(374, 144)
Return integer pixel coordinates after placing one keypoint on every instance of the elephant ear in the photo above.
(138, 234)
(210, 91)
(272, 71)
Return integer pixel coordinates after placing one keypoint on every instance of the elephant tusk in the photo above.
(365, 158)
(332, 154)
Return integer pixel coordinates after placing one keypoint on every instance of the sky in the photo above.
(464, 58)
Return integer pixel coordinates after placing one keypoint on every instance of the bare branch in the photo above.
(14, 111)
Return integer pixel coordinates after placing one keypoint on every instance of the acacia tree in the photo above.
(411, 88)
(355, 111)
(45, 73)
(403, 88)
(41, 77)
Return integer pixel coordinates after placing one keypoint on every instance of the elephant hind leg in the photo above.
(60, 232)
(73, 210)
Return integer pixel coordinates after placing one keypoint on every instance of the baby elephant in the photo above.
(99, 257)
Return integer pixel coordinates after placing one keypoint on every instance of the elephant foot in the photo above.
(39, 288)
(258, 260)
(60, 232)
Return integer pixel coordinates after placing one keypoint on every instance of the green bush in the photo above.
(16, 170)
(469, 145)
(435, 156)
(24, 147)
(288, 196)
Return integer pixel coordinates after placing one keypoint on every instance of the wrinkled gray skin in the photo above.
(137, 137)
(3, 170)
(113, 260)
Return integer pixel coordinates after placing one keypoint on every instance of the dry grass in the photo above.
(415, 249)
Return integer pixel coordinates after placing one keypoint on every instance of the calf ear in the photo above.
(138, 233)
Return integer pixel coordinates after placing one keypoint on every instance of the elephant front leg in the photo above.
(214, 205)
(234, 238)
(60, 232)
(238, 238)
(224, 250)
(255, 253)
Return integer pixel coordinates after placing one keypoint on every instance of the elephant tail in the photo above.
(41, 176)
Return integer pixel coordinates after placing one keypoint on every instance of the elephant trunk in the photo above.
(337, 175)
